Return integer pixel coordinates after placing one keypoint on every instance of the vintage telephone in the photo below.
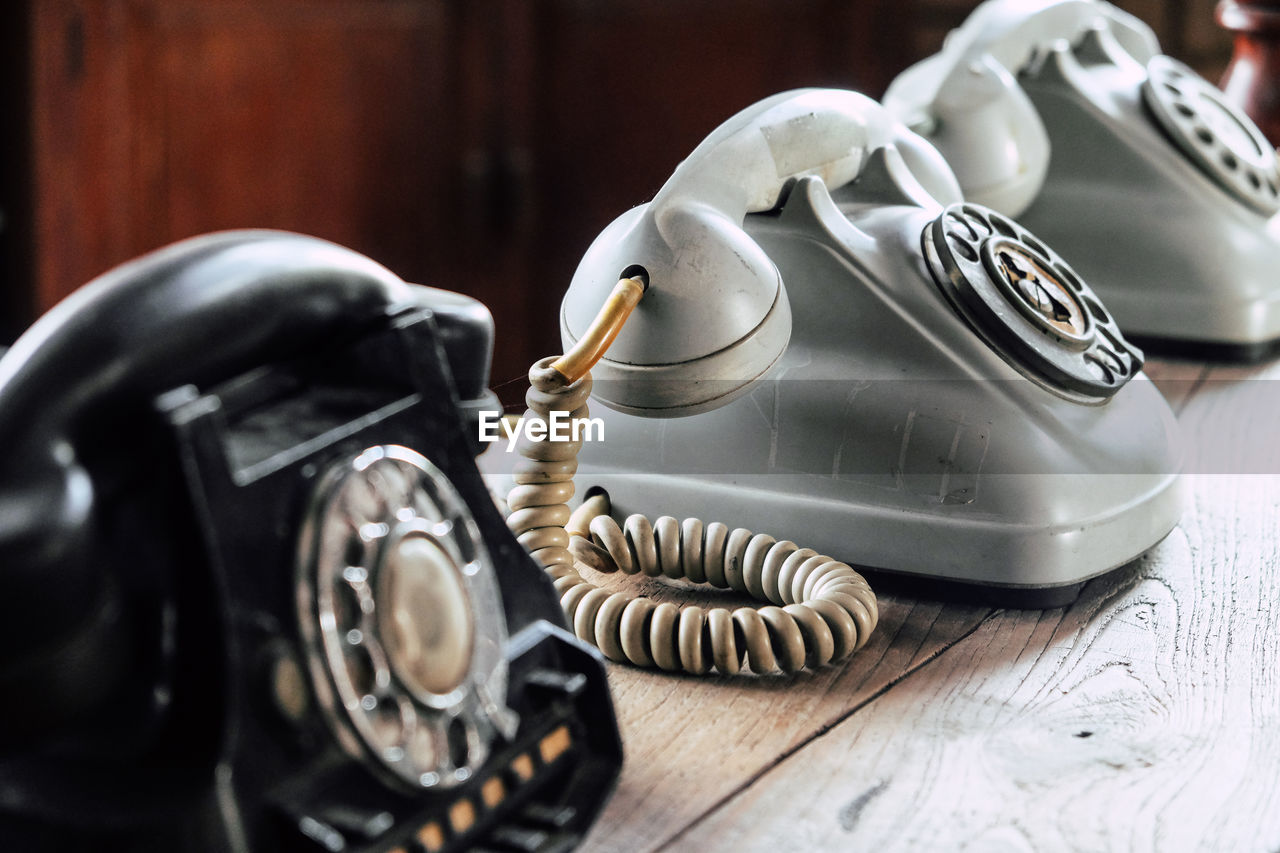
(255, 592)
(1064, 114)
(830, 345)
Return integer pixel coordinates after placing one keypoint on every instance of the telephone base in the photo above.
(1004, 553)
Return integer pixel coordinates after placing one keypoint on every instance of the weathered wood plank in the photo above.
(1144, 717)
(693, 742)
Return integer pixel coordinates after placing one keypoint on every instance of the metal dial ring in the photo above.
(402, 619)
(1215, 134)
(1027, 303)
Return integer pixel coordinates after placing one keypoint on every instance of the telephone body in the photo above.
(257, 595)
(1064, 114)
(829, 351)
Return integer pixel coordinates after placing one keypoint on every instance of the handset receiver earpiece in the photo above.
(716, 315)
(966, 99)
(110, 348)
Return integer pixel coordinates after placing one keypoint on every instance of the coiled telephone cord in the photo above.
(820, 610)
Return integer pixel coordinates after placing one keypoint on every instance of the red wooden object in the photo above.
(1252, 80)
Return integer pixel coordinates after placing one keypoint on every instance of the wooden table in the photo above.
(1145, 716)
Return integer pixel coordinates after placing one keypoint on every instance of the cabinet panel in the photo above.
(80, 142)
(322, 120)
(378, 124)
(155, 121)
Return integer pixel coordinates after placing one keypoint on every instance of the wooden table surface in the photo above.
(1145, 716)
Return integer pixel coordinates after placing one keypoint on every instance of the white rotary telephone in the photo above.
(832, 346)
(1064, 114)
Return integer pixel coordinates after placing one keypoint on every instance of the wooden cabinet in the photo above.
(473, 145)
(153, 120)
(477, 145)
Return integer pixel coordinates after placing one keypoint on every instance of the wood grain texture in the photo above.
(1141, 718)
(693, 742)
(155, 121)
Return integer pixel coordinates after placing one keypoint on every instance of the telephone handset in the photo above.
(256, 593)
(1064, 113)
(723, 316)
(952, 400)
(968, 102)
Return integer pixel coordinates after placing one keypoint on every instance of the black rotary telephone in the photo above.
(255, 594)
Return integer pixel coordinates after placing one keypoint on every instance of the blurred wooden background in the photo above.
(476, 145)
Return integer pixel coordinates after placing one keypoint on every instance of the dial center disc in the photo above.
(1038, 292)
(425, 616)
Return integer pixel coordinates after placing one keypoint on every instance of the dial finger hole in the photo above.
(361, 672)
(1069, 277)
(426, 506)
(1205, 135)
(1113, 338)
(464, 544)
(360, 502)
(458, 742)
(347, 608)
(1229, 160)
(428, 502)
(963, 249)
(424, 749)
(1034, 244)
(1099, 370)
(1109, 359)
(1184, 110)
(353, 553)
(960, 227)
(1095, 307)
(977, 221)
(388, 724)
(391, 484)
(1004, 226)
